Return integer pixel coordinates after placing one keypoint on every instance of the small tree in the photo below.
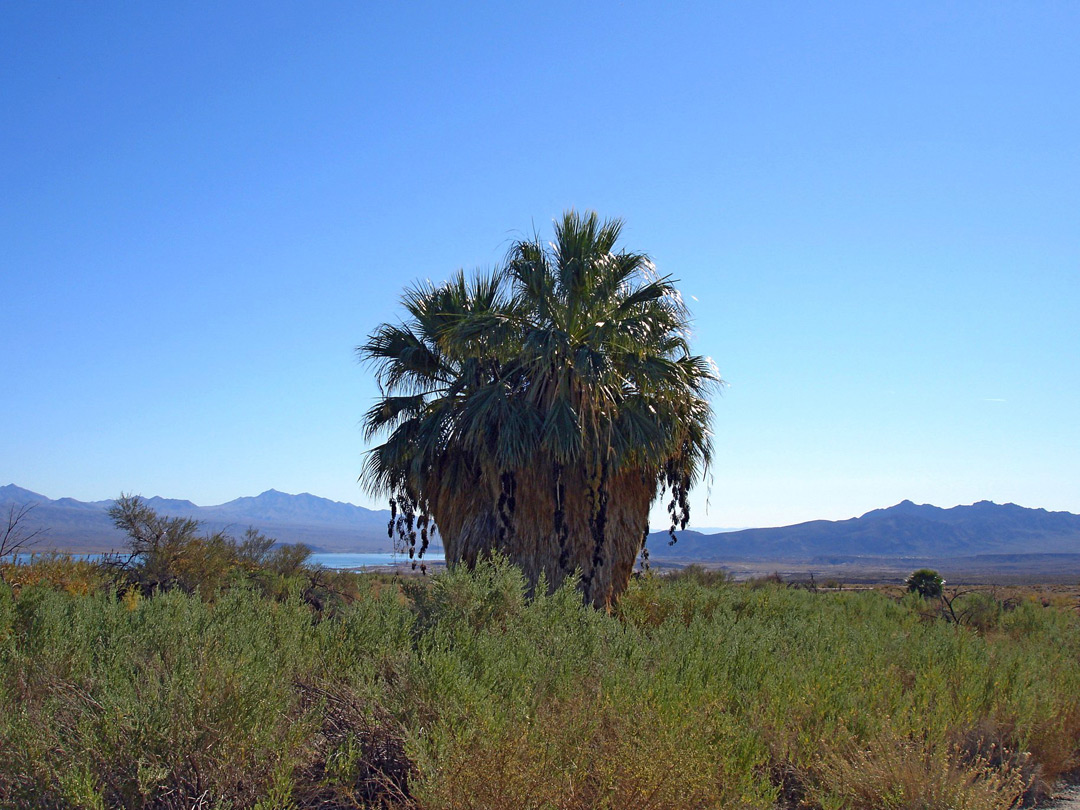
(926, 582)
(15, 538)
(171, 552)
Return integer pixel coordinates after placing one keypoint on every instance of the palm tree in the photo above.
(539, 410)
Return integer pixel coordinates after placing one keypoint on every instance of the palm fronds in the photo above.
(567, 367)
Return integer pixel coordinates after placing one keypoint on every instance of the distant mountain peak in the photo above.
(905, 507)
(319, 522)
(278, 495)
(16, 493)
(905, 530)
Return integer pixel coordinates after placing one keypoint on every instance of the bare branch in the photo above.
(16, 538)
(947, 600)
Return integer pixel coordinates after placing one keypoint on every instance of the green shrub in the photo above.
(169, 552)
(979, 609)
(925, 582)
(701, 575)
(57, 570)
(465, 692)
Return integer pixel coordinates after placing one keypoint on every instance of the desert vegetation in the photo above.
(462, 690)
(926, 583)
(15, 537)
(539, 410)
(534, 414)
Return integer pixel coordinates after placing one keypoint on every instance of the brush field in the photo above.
(459, 691)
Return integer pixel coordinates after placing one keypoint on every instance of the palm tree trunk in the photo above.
(472, 529)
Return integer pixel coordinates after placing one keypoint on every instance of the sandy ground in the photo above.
(1066, 797)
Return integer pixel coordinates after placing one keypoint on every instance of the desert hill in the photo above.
(904, 530)
(984, 534)
(322, 524)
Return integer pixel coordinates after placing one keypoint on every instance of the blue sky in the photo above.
(875, 206)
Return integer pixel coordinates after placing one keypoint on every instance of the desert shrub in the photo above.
(288, 560)
(170, 552)
(655, 599)
(889, 773)
(7, 613)
(978, 609)
(75, 575)
(701, 575)
(358, 756)
(464, 691)
(152, 706)
(587, 750)
(769, 580)
(494, 593)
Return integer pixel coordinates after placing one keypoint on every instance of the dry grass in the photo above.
(891, 773)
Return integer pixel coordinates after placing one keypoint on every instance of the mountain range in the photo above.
(906, 531)
(322, 524)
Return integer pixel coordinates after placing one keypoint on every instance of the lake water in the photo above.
(345, 560)
(337, 560)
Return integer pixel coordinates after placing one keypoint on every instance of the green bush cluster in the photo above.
(460, 691)
(172, 552)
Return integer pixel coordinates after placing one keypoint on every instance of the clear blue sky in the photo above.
(205, 206)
